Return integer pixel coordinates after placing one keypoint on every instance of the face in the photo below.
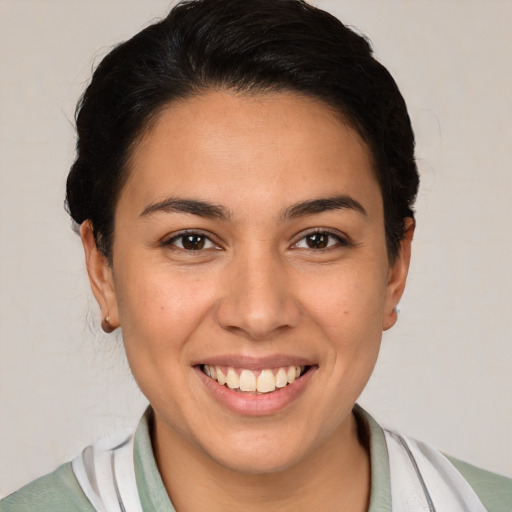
(249, 246)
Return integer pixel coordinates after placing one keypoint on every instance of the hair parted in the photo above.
(247, 46)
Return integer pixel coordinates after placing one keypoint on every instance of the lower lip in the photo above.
(257, 405)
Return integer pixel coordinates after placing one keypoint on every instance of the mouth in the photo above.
(254, 382)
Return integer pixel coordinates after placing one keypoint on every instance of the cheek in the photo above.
(348, 308)
(160, 309)
(160, 315)
(347, 301)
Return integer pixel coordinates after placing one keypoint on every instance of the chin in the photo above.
(266, 454)
(258, 462)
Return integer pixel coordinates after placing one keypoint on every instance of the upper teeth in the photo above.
(263, 381)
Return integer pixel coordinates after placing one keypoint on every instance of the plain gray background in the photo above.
(444, 373)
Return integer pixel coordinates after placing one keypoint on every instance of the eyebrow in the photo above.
(315, 206)
(213, 211)
(192, 206)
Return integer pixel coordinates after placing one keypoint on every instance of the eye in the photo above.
(191, 241)
(320, 240)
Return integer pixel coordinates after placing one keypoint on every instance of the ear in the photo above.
(101, 278)
(398, 276)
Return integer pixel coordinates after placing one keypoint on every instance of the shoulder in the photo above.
(56, 492)
(397, 459)
(495, 491)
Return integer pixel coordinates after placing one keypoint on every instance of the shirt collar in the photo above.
(153, 495)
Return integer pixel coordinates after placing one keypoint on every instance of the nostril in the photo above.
(257, 333)
(257, 319)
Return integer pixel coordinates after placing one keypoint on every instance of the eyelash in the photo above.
(171, 242)
(339, 241)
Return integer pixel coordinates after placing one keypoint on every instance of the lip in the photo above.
(255, 405)
(255, 363)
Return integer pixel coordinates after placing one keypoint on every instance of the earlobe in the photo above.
(398, 276)
(101, 279)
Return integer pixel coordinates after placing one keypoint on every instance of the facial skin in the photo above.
(259, 292)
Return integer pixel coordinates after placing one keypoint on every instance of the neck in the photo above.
(335, 476)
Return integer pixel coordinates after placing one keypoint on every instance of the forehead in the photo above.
(269, 148)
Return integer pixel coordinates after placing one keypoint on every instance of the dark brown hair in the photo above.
(244, 45)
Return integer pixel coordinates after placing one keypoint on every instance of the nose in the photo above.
(258, 301)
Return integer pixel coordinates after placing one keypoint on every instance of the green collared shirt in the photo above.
(60, 492)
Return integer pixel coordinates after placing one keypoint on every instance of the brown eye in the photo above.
(191, 242)
(317, 240)
(320, 240)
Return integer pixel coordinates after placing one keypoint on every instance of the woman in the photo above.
(244, 185)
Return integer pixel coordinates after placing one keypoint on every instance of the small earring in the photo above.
(397, 309)
(106, 326)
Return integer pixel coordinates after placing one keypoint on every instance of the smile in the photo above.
(254, 382)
